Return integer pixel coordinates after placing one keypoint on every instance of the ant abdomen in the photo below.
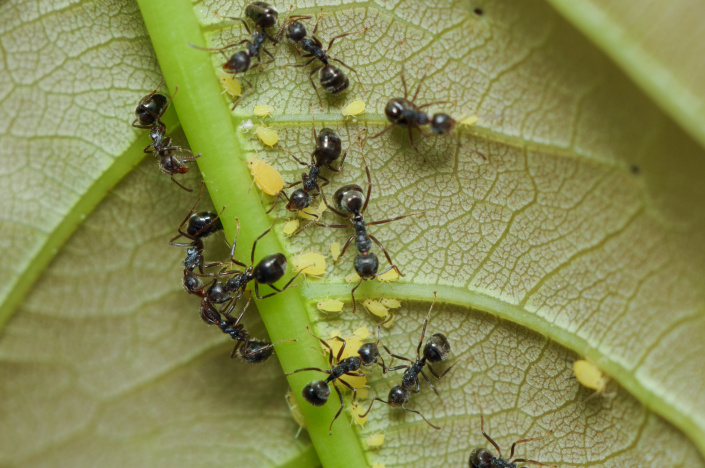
(333, 79)
(298, 200)
(328, 147)
(270, 269)
(147, 112)
(204, 224)
(368, 353)
(316, 393)
(398, 396)
(262, 14)
(240, 62)
(480, 458)
(437, 348)
(442, 123)
(366, 266)
(256, 351)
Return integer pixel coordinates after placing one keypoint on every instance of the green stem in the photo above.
(209, 127)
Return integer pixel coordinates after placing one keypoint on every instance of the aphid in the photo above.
(295, 411)
(267, 178)
(391, 303)
(198, 227)
(388, 276)
(483, 458)
(290, 226)
(263, 16)
(330, 305)
(230, 85)
(311, 264)
(335, 251)
(435, 351)
(591, 376)
(351, 203)
(355, 414)
(352, 278)
(378, 465)
(375, 440)
(353, 109)
(332, 79)
(404, 113)
(376, 308)
(311, 213)
(471, 120)
(267, 135)
(317, 392)
(262, 110)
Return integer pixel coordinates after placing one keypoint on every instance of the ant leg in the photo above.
(384, 251)
(182, 186)
(330, 44)
(425, 324)
(482, 428)
(232, 250)
(340, 410)
(235, 19)
(352, 294)
(325, 343)
(403, 83)
(369, 185)
(218, 49)
(313, 221)
(193, 210)
(237, 346)
(254, 244)
(369, 408)
(418, 87)
(276, 289)
(345, 247)
(306, 369)
(315, 28)
(345, 154)
(388, 128)
(384, 221)
(428, 381)
(292, 155)
(511, 455)
(357, 77)
(288, 65)
(419, 413)
(339, 356)
(310, 78)
(334, 210)
(437, 102)
(411, 138)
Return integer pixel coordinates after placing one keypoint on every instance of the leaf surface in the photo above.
(581, 235)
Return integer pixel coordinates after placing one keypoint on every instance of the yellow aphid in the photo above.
(354, 108)
(472, 120)
(266, 177)
(290, 227)
(268, 136)
(388, 323)
(362, 333)
(230, 85)
(311, 264)
(262, 111)
(363, 394)
(330, 305)
(378, 465)
(375, 440)
(375, 308)
(295, 410)
(391, 275)
(335, 250)
(391, 303)
(310, 213)
(356, 410)
(589, 375)
(352, 278)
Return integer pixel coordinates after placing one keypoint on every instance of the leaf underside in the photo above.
(580, 235)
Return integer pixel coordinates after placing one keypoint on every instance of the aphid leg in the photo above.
(511, 454)
(419, 413)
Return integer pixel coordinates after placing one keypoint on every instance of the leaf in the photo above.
(556, 235)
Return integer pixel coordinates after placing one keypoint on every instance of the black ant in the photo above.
(263, 15)
(404, 113)
(483, 458)
(333, 80)
(200, 225)
(351, 203)
(148, 113)
(436, 350)
(318, 391)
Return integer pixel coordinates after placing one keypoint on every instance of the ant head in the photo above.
(481, 458)
(238, 63)
(437, 348)
(298, 200)
(398, 395)
(442, 123)
(171, 165)
(328, 147)
(333, 79)
(349, 198)
(149, 109)
(368, 353)
(203, 224)
(256, 351)
(366, 265)
(270, 269)
(295, 31)
(316, 393)
(262, 14)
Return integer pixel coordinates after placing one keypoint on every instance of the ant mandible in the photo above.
(351, 203)
(405, 113)
(318, 391)
(483, 458)
(435, 351)
(263, 15)
(332, 79)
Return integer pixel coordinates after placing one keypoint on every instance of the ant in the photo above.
(483, 458)
(436, 350)
(200, 225)
(318, 391)
(404, 113)
(263, 15)
(327, 151)
(251, 350)
(332, 79)
(351, 203)
(148, 113)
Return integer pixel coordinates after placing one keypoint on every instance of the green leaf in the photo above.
(581, 235)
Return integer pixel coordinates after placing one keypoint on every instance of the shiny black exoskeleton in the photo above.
(332, 79)
(483, 458)
(150, 110)
(403, 112)
(435, 351)
(318, 391)
(351, 203)
(198, 227)
(262, 14)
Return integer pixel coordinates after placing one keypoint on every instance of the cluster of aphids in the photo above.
(221, 285)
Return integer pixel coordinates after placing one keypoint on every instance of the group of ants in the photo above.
(219, 296)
